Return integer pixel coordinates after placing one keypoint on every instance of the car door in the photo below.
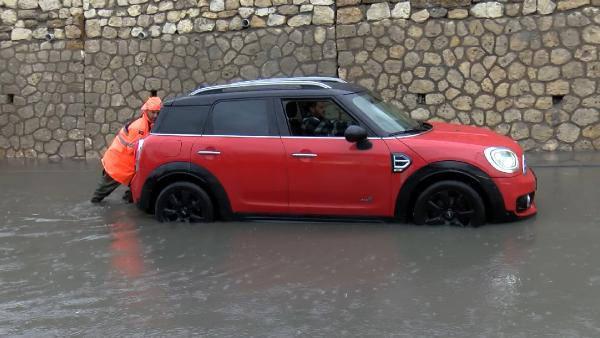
(242, 147)
(327, 174)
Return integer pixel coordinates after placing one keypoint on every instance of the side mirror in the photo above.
(358, 135)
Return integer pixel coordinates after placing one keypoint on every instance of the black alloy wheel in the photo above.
(449, 203)
(184, 202)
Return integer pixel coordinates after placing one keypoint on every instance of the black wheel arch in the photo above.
(172, 172)
(451, 170)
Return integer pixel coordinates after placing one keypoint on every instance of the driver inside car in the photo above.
(317, 124)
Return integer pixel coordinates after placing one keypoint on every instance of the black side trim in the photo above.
(452, 170)
(312, 218)
(176, 171)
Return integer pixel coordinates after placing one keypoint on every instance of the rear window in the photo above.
(181, 120)
(251, 117)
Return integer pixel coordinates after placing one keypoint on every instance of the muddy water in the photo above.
(68, 267)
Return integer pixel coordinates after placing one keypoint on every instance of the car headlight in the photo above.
(524, 165)
(503, 159)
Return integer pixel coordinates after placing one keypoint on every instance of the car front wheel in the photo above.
(449, 203)
(184, 202)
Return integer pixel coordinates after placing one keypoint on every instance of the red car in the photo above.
(320, 147)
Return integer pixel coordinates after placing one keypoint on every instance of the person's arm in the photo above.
(324, 128)
(135, 133)
(309, 125)
(126, 126)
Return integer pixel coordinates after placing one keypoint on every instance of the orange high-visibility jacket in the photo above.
(119, 159)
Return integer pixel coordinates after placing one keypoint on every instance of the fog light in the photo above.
(524, 202)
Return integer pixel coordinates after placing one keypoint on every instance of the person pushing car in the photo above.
(119, 159)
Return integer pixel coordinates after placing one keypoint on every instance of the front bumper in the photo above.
(514, 190)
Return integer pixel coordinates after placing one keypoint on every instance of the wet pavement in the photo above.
(70, 268)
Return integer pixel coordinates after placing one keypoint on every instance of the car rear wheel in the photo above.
(449, 203)
(184, 202)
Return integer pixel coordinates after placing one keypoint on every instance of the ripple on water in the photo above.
(93, 237)
(11, 266)
(83, 211)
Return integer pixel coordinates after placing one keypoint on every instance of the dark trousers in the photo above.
(106, 185)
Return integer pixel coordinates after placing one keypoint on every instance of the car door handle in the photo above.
(304, 155)
(208, 152)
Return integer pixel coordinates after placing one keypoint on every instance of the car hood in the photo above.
(457, 133)
(454, 142)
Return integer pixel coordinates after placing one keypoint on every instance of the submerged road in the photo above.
(68, 267)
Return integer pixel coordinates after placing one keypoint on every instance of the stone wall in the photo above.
(42, 108)
(72, 71)
(120, 74)
(534, 78)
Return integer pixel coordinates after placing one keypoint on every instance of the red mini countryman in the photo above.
(320, 147)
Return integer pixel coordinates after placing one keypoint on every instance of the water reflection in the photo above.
(321, 256)
(343, 272)
(125, 249)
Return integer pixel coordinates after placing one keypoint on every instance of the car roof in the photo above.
(277, 87)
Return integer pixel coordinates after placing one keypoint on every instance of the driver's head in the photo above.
(317, 108)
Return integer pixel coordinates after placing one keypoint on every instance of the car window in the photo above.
(387, 116)
(181, 120)
(252, 117)
(316, 118)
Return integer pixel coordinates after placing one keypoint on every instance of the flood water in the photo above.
(68, 267)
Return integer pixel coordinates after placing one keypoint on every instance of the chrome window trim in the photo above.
(182, 135)
(200, 135)
(407, 136)
(287, 137)
(248, 136)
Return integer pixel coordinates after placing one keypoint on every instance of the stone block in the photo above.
(458, 13)
(378, 11)
(8, 17)
(323, 15)
(349, 15)
(541, 132)
(300, 20)
(545, 7)
(401, 10)
(21, 34)
(487, 10)
(27, 4)
(591, 34)
(276, 20)
(529, 7)
(585, 116)
(420, 16)
(568, 132)
(566, 5)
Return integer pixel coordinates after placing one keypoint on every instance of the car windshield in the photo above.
(387, 116)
